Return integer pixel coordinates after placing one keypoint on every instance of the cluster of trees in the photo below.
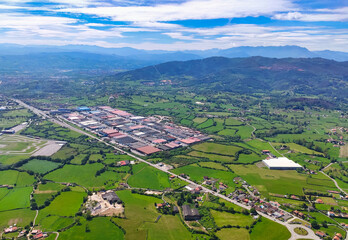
(34, 206)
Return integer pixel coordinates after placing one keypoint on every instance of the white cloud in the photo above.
(340, 14)
(26, 26)
(72, 3)
(13, 20)
(179, 36)
(195, 9)
(34, 29)
(8, 7)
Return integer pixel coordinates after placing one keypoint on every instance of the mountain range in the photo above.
(148, 57)
(309, 76)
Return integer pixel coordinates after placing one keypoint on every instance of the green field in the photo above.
(225, 218)
(278, 181)
(140, 219)
(232, 122)
(260, 145)
(54, 223)
(21, 217)
(3, 192)
(228, 132)
(19, 179)
(214, 165)
(248, 158)
(95, 157)
(86, 175)
(146, 176)
(197, 173)
(208, 123)
(11, 159)
(66, 204)
(244, 131)
(41, 198)
(40, 166)
(233, 234)
(267, 229)
(228, 150)
(50, 186)
(299, 148)
(212, 157)
(13, 117)
(199, 120)
(99, 228)
(112, 158)
(78, 159)
(16, 198)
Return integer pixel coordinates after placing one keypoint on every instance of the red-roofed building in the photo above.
(161, 205)
(39, 235)
(159, 141)
(339, 235)
(190, 140)
(148, 150)
(121, 113)
(123, 163)
(11, 229)
(105, 108)
(120, 135)
(110, 131)
(115, 134)
(172, 145)
(320, 234)
(136, 127)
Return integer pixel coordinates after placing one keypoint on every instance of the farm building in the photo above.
(190, 213)
(112, 197)
(281, 163)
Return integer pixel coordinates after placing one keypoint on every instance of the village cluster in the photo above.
(142, 135)
(337, 142)
(34, 234)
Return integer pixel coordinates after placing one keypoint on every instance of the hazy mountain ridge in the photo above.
(255, 74)
(164, 56)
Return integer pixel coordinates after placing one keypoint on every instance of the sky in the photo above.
(176, 24)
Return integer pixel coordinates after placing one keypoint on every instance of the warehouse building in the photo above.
(281, 163)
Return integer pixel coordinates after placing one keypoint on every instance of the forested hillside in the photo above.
(256, 74)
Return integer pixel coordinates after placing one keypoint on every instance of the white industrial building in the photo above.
(281, 163)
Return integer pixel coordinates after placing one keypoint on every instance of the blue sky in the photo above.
(176, 25)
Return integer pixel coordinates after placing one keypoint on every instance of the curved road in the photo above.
(290, 227)
(57, 235)
(334, 182)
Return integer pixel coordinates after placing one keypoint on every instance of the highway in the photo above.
(290, 227)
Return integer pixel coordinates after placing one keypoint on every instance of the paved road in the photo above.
(57, 235)
(327, 166)
(322, 171)
(275, 149)
(294, 236)
(290, 227)
(335, 183)
(32, 227)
